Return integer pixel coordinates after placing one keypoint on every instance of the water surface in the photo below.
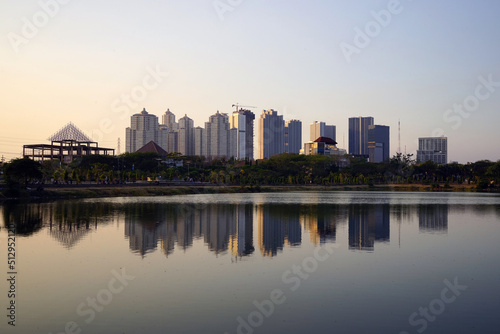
(322, 262)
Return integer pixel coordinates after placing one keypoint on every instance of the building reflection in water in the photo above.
(71, 222)
(321, 221)
(224, 228)
(241, 241)
(433, 218)
(271, 229)
(216, 223)
(368, 224)
(141, 226)
(67, 222)
(283, 225)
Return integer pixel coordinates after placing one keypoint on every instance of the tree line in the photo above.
(283, 169)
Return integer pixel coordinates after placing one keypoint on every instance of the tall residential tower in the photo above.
(293, 136)
(320, 129)
(143, 129)
(271, 134)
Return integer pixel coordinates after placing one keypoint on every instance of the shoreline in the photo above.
(56, 192)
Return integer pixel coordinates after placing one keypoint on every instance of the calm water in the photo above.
(340, 262)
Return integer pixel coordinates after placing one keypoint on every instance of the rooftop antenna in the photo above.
(399, 136)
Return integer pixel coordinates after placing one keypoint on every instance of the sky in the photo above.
(433, 65)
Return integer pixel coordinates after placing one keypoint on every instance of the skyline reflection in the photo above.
(368, 224)
(235, 229)
(433, 219)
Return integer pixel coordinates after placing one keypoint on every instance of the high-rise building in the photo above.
(378, 143)
(173, 141)
(199, 135)
(293, 136)
(232, 143)
(433, 149)
(271, 134)
(320, 129)
(186, 136)
(358, 135)
(238, 123)
(217, 136)
(249, 129)
(168, 119)
(163, 137)
(143, 129)
(172, 137)
(242, 121)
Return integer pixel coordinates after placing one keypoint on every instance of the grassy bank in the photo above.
(96, 191)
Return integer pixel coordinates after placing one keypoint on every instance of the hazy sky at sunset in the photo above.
(81, 62)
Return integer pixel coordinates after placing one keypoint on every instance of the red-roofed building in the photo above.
(152, 147)
(322, 146)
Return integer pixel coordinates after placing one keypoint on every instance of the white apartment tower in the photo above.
(320, 129)
(143, 129)
(186, 136)
(199, 145)
(168, 119)
(217, 136)
(172, 137)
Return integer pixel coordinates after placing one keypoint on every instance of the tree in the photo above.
(429, 169)
(494, 172)
(400, 165)
(402, 159)
(23, 171)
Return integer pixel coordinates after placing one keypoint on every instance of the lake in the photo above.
(303, 262)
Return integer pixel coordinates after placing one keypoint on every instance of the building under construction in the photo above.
(67, 144)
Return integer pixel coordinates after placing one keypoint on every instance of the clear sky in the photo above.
(324, 60)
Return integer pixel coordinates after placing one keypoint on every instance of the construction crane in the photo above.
(238, 107)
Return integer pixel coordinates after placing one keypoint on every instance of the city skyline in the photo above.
(232, 136)
(310, 61)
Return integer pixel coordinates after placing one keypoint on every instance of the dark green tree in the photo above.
(23, 171)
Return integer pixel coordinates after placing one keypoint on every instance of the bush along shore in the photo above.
(148, 174)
